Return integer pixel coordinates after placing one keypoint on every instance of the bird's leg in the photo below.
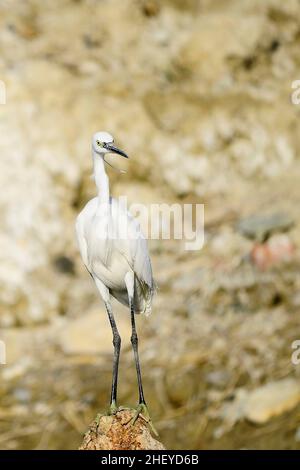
(117, 347)
(142, 408)
(134, 342)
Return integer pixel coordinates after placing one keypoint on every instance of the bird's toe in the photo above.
(143, 412)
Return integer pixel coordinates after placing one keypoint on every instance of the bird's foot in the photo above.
(113, 409)
(143, 412)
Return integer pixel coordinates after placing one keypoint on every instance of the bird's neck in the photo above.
(101, 179)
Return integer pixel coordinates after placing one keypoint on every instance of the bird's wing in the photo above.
(141, 261)
(83, 220)
(135, 248)
(81, 240)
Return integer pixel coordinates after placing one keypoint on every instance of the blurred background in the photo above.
(198, 93)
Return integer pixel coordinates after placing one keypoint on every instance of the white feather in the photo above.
(108, 251)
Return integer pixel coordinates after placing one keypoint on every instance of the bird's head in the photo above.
(103, 143)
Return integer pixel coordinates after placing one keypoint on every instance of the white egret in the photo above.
(120, 265)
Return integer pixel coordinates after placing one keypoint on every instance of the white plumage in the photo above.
(115, 253)
(111, 244)
(110, 258)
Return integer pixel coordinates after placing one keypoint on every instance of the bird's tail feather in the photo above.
(145, 294)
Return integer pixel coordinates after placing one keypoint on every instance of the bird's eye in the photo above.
(98, 142)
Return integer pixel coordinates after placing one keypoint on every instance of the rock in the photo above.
(33, 225)
(189, 282)
(116, 433)
(263, 403)
(272, 399)
(150, 8)
(297, 435)
(91, 334)
(172, 87)
(180, 387)
(214, 40)
(199, 96)
(276, 250)
(261, 227)
(218, 378)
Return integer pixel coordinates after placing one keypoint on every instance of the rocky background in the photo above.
(198, 92)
